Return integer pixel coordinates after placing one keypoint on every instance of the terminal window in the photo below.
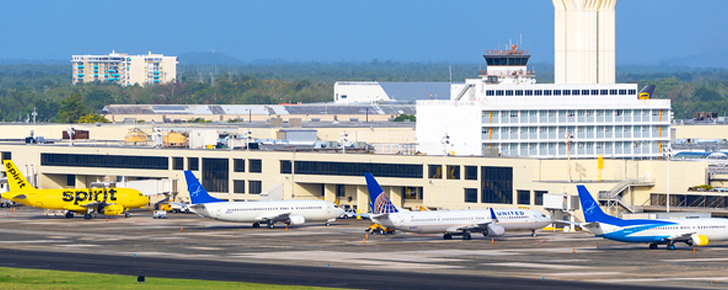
(340, 190)
(490, 93)
(496, 184)
(71, 180)
(410, 192)
(471, 195)
(453, 172)
(256, 165)
(509, 92)
(434, 171)
(193, 163)
(178, 163)
(255, 186)
(239, 165)
(215, 174)
(612, 92)
(471, 172)
(7, 155)
(524, 196)
(538, 197)
(238, 186)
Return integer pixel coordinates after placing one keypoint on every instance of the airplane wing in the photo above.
(680, 237)
(277, 217)
(473, 228)
(95, 204)
(17, 196)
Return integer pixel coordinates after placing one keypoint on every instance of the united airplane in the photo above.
(450, 222)
(289, 212)
(107, 201)
(693, 232)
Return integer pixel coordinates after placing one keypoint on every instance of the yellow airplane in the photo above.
(108, 201)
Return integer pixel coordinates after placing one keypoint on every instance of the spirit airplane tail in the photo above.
(198, 194)
(16, 180)
(380, 203)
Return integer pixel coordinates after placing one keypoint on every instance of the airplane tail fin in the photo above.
(16, 180)
(591, 209)
(646, 92)
(380, 203)
(198, 194)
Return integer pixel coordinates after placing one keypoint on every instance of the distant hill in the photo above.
(210, 57)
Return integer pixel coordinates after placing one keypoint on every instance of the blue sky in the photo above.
(648, 31)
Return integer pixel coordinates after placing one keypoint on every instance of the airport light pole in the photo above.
(667, 153)
(568, 136)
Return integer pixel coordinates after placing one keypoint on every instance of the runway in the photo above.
(185, 246)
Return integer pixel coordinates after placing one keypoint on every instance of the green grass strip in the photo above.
(21, 279)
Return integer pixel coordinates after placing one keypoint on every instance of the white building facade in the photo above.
(545, 121)
(124, 69)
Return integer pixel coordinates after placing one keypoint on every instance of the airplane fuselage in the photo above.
(433, 221)
(658, 231)
(311, 210)
(74, 199)
(521, 219)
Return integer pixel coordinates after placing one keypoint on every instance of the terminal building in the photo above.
(505, 112)
(124, 69)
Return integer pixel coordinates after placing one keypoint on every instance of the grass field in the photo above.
(14, 278)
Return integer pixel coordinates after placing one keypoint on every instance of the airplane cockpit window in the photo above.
(336, 206)
(543, 215)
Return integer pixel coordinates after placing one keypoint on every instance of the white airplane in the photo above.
(693, 232)
(456, 222)
(290, 212)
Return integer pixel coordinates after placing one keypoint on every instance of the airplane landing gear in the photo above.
(127, 215)
(671, 247)
(466, 236)
(69, 214)
(256, 225)
(533, 233)
(653, 246)
(271, 225)
(447, 236)
(87, 216)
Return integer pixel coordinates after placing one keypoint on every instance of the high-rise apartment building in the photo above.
(125, 69)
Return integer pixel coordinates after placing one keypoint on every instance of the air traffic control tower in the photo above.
(584, 41)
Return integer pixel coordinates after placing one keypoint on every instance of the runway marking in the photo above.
(663, 279)
(534, 265)
(205, 248)
(34, 242)
(584, 273)
(697, 260)
(392, 260)
(78, 245)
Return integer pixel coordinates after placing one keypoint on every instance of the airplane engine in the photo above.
(697, 240)
(494, 231)
(113, 209)
(295, 220)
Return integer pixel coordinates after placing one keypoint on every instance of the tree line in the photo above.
(47, 88)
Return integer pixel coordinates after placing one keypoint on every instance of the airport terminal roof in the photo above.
(282, 109)
(412, 91)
